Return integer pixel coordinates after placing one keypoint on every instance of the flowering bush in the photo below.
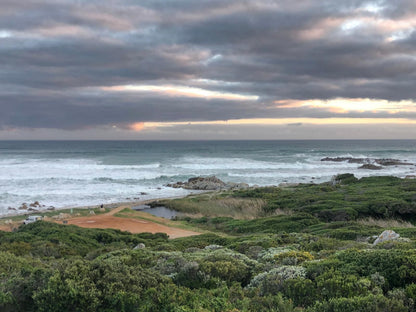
(293, 257)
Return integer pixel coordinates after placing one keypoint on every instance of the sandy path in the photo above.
(6, 227)
(128, 223)
(132, 225)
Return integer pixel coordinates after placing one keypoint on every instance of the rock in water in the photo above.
(201, 183)
(370, 167)
(392, 162)
(387, 235)
(209, 184)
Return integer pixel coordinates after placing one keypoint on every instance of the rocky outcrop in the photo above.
(391, 162)
(347, 159)
(23, 207)
(369, 163)
(387, 235)
(370, 167)
(208, 184)
(30, 207)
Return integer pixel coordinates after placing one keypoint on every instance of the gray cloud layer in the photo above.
(56, 55)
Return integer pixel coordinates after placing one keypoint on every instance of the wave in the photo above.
(106, 175)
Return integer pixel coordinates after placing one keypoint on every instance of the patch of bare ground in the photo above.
(130, 224)
(127, 221)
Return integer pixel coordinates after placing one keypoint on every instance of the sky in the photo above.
(207, 69)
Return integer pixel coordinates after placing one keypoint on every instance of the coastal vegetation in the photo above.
(306, 247)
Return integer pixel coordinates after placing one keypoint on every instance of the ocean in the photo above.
(83, 173)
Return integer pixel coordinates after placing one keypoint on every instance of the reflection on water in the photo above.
(162, 212)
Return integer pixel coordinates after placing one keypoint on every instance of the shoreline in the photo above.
(114, 205)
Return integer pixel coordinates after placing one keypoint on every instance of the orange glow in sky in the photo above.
(140, 126)
(342, 105)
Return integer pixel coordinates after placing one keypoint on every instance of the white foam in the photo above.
(65, 182)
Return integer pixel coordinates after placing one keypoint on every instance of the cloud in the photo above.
(62, 61)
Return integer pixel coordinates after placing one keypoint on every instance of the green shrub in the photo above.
(370, 303)
(272, 282)
(302, 291)
(293, 257)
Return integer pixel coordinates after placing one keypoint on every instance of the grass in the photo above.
(385, 223)
(218, 206)
(140, 215)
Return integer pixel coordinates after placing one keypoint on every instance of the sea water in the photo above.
(80, 173)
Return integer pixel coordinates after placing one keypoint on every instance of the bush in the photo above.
(271, 282)
(293, 257)
(302, 291)
(370, 303)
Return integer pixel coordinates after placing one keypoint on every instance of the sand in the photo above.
(133, 223)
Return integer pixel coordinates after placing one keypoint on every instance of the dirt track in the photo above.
(130, 224)
(109, 221)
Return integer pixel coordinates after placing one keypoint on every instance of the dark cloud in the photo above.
(55, 56)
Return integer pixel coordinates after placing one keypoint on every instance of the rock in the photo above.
(370, 167)
(50, 208)
(391, 162)
(11, 208)
(23, 206)
(387, 235)
(410, 177)
(201, 183)
(236, 186)
(35, 204)
(143, 193)
(359, 160)
(209, 184)
(213, 247)
(351, 160)
(379, 161)
(139, 246)
(336, 159)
